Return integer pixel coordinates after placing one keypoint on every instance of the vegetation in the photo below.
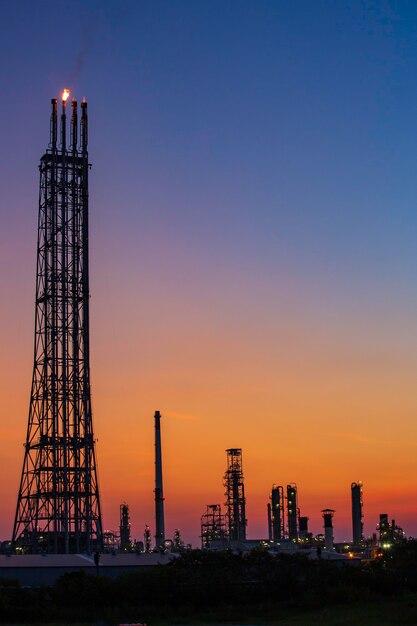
(228, 588)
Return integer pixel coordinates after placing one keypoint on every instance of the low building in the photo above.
(36, 570)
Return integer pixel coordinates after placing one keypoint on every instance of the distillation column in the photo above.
(277, 512)
(125, 540)
(357, 514)
(293, 512)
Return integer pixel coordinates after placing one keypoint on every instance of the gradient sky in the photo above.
(253, 247)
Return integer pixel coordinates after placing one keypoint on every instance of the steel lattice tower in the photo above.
(235, 495)
(58, 506)
(213, 525)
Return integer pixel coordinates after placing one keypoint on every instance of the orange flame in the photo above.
(65, 95)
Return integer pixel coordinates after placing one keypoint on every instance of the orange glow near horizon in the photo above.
(315, 411)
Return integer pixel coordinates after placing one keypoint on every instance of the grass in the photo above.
(398, 612)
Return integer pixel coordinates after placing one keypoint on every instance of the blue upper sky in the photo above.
(285, 130)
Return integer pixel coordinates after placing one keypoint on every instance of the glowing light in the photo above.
(65, 95)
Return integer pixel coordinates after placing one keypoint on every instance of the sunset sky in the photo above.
(253, 247)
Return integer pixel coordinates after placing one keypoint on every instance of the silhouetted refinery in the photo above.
(58, 513)
(287, 530)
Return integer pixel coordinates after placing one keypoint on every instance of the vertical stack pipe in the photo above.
(159, 492)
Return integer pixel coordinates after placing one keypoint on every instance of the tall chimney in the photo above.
(159, 493)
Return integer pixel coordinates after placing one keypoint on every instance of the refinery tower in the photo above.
(58, 506)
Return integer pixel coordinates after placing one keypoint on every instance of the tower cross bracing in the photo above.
(58, 506)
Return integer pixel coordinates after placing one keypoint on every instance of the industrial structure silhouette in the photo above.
(58, 506)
